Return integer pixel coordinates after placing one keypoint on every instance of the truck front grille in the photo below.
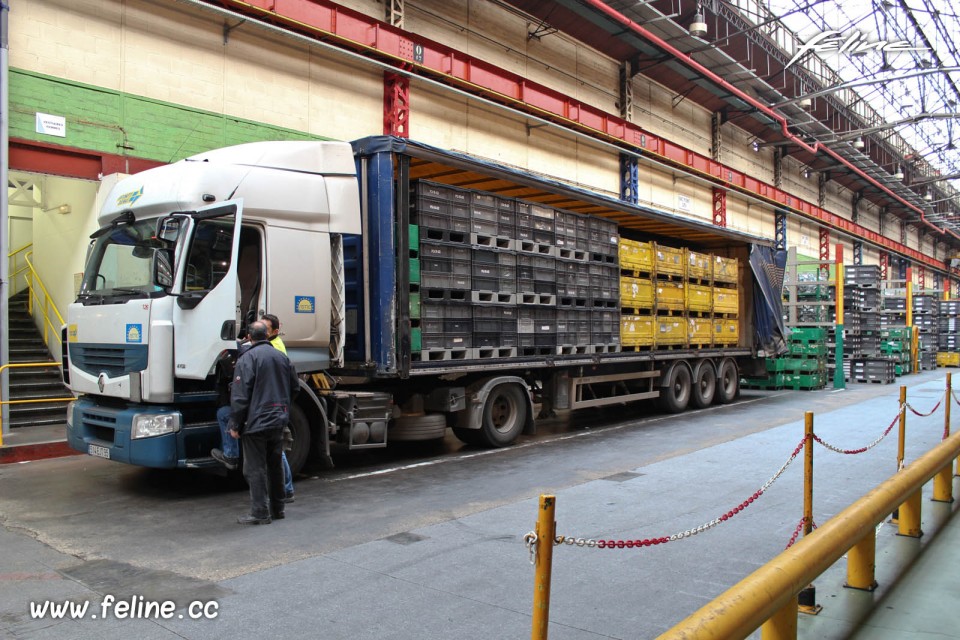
(113, 360)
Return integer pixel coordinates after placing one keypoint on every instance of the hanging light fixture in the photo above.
(859, 144)
(898, 174)
(805, 103)
(698, 27)
(928, 196)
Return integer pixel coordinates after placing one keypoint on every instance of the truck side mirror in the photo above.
(162, 263)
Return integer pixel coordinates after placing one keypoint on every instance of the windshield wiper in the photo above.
(128, 290)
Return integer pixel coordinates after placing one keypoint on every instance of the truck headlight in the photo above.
(150, 425)
(70, 414)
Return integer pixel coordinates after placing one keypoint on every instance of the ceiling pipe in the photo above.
(784, 124)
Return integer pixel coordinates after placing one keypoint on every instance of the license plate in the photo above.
(100, 452)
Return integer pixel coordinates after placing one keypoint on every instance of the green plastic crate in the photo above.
(805, 365)
(416, 340)
(414, 270)
(413, 237)
(414, 305)
(808, 334)
(808, 349)
(775, 364)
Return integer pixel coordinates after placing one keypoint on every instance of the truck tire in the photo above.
(504, 415)
(704, 385)
(300, 451)
(418, 427)
(728, 382)
(469, 436)
(675, 394)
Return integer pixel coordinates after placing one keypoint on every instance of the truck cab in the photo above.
(185, 257)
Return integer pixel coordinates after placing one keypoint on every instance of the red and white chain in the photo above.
(861, 449)
(649, 542)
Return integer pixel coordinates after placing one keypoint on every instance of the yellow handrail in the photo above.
(13, 260)
(48, 302)
(741, 609)
(24, 365)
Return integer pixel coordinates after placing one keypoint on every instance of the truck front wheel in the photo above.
(504, 415)
(300, 451)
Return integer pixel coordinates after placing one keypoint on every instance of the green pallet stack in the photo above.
(895, 344)
(803, 367)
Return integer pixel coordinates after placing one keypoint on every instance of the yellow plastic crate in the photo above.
(670, 261)
(725, 269)
(636, 331)
(726, 301)
(700, 330)
(948, 359)
(699, 265)
(635, 255)
(726, 331)
(636, 293)
(670, 296)
(699, 298)
(671, 331)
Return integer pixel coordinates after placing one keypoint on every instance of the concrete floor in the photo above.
(425, 544)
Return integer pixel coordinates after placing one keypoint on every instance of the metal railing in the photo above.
(14, 270)
(26, 365)
(48, 305)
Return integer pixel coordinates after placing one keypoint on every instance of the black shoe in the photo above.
(278, 515)
(287, 499)
(229, 463)
(249, 519)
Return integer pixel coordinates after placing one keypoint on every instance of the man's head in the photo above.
(272, 322)
(258, 331)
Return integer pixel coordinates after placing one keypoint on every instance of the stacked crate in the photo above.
(948, 341)
(926, 313)
(864, 360)
(676, 298)
(441, 261)
(603, 242)
(803, 367)
(895, 346)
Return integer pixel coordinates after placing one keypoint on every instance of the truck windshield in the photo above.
(119, 263)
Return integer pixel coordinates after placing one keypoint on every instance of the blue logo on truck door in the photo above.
(135, 333)
(304, 304)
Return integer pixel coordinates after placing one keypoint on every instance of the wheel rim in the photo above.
(503, 413)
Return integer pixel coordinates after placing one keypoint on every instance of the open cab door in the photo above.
(205, 315)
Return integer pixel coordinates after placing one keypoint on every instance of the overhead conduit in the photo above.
(354, 33)
(765, 109)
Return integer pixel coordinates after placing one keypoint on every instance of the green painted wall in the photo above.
(118, 123)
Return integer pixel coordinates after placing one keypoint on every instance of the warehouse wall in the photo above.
(157, 80)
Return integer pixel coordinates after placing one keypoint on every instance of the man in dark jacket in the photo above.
(264, 384)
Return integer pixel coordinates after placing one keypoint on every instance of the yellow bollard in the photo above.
(807, 598)
(902, 439)
(783, 624)
(546, 534)
(943, 481)
(909, 523)
(861, 563)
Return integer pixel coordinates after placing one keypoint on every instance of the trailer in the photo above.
(419, 289)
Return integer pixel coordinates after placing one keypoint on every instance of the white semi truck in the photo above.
(418, 289)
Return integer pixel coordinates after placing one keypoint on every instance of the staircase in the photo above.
(32, 383)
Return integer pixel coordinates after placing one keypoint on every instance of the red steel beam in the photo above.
(38, 157)
(352, 30)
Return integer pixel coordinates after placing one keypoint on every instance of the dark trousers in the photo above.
(263, 469)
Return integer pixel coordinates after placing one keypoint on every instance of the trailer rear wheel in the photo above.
(675, 395)
(728, 382)
(300, 428)
(504, 415)
(704, 385)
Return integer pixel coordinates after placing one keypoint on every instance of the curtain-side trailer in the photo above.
(418, 289)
